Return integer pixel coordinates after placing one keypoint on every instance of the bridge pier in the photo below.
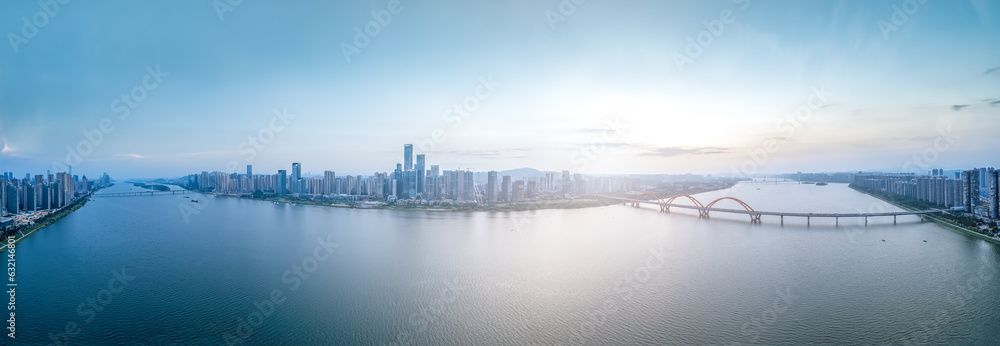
(866, 221)
(782, 220)
(838, 220)
(808, 221)
(894, 219)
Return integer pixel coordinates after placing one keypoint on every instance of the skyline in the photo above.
(548, 85)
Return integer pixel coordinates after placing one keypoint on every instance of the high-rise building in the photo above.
(435, 170)
(469, 186)
(491, 187)
(505, 189)
(296, 178)
(329, 182)
(420, 174)
(250, 184)
(407, 157)
(993, 180)
(282, 185)
(567, 186)
(10, 201)
(970, 190)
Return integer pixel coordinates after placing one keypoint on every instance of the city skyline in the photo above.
(534, 84)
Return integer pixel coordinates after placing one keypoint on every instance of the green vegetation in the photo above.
(958, 221)
(152, 187)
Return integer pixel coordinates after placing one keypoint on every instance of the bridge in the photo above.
(704, 210)
(141, 193)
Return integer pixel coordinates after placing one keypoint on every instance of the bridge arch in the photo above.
(693, 200)
(639, 198)
(754, 215)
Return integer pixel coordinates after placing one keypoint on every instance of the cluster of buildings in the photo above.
(412, 180)
(972, 191)
(28, 198)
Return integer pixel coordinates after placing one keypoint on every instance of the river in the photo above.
(163, 270)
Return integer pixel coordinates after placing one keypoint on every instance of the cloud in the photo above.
(134, 156)
(679, 151)
(993, 103)
(6, 148)
(958, 107)
(995, 70)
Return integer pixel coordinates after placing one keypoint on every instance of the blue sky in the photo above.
(919, 95)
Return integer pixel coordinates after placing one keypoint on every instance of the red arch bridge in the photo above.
(704, 210)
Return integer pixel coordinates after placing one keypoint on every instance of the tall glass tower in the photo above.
(296, 177)
(420, 173)
(407, 157)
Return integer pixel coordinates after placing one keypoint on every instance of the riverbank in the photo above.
(934, 218)
(590, 201)
(47, 220)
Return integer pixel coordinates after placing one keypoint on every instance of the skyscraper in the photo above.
(296, 178)
(282, 187)
(491, 186)
(329, 182)
(505, 189)
(970, 190)
(420, 172)
(992, 177)
(407, 157)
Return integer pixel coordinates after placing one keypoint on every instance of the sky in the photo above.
(169, 88)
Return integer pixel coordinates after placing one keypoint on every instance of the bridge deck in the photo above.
(780, 213)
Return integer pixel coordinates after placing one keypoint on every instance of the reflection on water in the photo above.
(263, 273)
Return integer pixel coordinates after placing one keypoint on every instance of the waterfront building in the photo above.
(505, 189)
(420, 173)
(491, 187)
(993, 179)
(282, 183)
(407, 157)
(970, 190)
(296, 180)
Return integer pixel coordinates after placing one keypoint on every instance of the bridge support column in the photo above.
(808, 222)
(782, 220)
(866, 221)
(838, 220)
(894, 219)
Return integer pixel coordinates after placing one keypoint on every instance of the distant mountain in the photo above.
(522, 173)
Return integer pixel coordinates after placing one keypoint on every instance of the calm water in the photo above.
(610, 275)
